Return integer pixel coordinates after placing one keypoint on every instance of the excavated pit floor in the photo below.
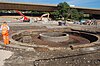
(72, 40)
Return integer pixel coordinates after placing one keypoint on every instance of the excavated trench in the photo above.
(54, 39)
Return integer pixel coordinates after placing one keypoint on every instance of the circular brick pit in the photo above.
(54, 37)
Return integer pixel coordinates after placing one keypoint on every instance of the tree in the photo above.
(63, 9)
(81, 15)
(75, 14)
(55, 15)
(62, 12)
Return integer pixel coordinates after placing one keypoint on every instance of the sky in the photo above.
(79, 3)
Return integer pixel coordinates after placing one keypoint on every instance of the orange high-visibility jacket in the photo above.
(4, 28)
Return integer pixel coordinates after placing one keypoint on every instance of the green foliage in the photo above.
(62, 11)
(63, 6)
(75, 14)
(35, 12)
(55, 14)
(81, 15)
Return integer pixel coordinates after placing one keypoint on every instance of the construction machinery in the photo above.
(42, 17)
(47, 14)
(24, 18)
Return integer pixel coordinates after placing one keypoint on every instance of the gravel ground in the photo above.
(4, 55)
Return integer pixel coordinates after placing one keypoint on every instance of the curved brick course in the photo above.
(58, 48)
(54, 36)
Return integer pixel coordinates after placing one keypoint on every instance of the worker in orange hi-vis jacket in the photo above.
(5, 29)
